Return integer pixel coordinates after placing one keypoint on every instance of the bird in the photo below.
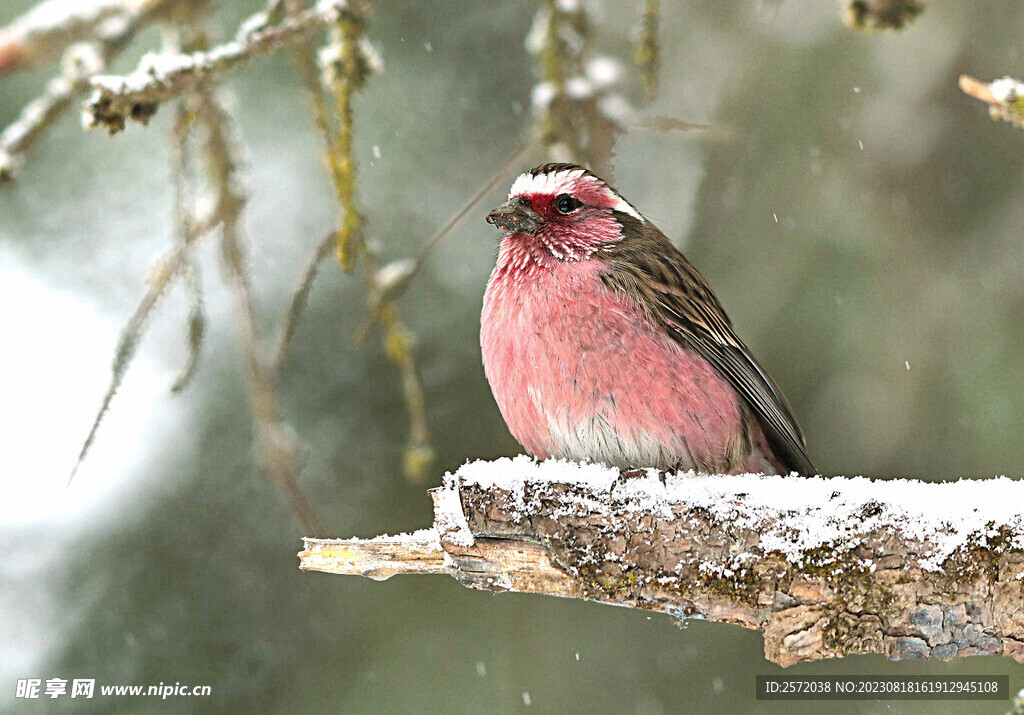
(602, 343)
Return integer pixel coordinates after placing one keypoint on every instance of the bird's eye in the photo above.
(566, 204)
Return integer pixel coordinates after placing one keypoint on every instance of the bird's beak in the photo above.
(515, 216)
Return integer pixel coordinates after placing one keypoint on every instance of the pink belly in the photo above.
(579, 372)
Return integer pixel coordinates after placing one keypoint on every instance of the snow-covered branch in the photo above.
(46, 30)
(160, 77)
(1004, 97)
(825, 567)
(41, 35)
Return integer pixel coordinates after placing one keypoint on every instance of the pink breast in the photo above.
(561, 351)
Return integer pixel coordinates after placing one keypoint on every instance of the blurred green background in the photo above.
(863, 227)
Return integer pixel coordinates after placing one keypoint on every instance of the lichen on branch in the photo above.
(647, 54)
(823, 567)
(347, 62)
(881, 14)
(577, 107)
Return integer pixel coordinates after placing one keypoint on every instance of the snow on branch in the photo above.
(825, 567)
(42, 34)
(52, 27)
(160, 77)
(1004, 97)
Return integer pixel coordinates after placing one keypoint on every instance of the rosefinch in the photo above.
(602, 342)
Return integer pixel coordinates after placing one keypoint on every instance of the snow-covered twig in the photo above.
(159, 77)
(1004, 97)
(80, 62)
(41, 35)
(825, 567)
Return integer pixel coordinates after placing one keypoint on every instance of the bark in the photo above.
(823, 567)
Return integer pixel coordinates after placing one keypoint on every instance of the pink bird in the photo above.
(601, 342)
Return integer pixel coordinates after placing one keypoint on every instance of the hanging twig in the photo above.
(578, 111)
(163, 274)
(648, 52)
(185, 223)
(273, 435)
(347, 62)
(226, 201)
(301, 296)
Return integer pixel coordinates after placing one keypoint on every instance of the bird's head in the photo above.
(564, 211)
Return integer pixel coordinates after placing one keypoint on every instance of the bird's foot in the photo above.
(632, 474)
(627, 474)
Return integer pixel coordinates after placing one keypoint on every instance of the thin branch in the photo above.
(80, 62)
(309, 74)
(391, 280)
(431, 243)
(186, 228)
(394, 278)
(577, 107)
(40, 36)
(274, 437)
(1004, 97)
(666, 125)
(308, 69)
(196, 328)
(348, 61)
(163, 274)
(160, 77)
(38, 115)
(881, 14)
(219, 152)
(647, 54)
(346, 68)
(166, 270)
(301, 297)
(824, 567)
(226, 200)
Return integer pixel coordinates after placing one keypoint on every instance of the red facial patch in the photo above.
(587, 192)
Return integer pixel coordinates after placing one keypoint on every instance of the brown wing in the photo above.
(646, 265)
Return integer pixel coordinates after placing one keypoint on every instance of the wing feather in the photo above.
(647, 266)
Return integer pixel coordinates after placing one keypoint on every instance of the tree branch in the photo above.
(824, 567)
(40, 36)
(160, 77)
(1004, 97)
(80, 62)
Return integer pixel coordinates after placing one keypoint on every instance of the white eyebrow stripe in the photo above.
(561, 181)
(550, 183)
(627, 208)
